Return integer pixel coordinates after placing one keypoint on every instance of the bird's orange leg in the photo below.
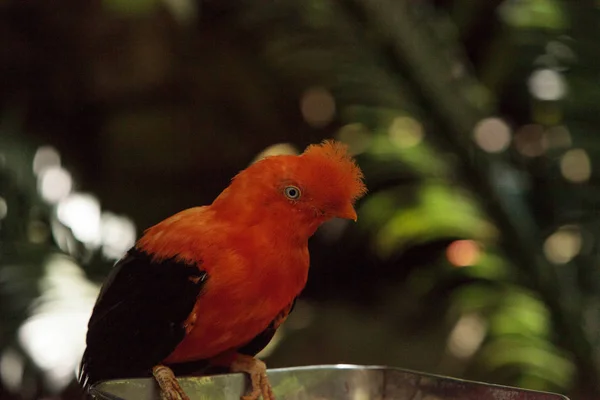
(258, 376)
(169, 387)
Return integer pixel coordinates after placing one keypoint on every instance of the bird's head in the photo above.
(308, 189)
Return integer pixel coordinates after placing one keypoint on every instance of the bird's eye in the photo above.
(292, 192)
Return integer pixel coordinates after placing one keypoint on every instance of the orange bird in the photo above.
(210, 285)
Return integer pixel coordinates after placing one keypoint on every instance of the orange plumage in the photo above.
(252, 244)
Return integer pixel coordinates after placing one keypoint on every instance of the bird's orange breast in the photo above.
(246, 289)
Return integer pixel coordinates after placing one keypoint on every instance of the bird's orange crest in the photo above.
(334, 165)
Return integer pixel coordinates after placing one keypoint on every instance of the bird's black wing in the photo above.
(262, 339)
(138, 318)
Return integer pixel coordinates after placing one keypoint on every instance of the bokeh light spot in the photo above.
(81, 213)
(530, 141)
(276, 150)
(547, 84)
(54, 184)
(12, 366)
(303, 316)
(38, 231)
(463, 253)
(3, 208)
(576, 166)
(557, 137)
(356, 136)
(184, 11)
(405, 132)
(492, 135)
(560, 50)
(467, 336)
(118, 235)
(318, 107)
(45, 157)
(54, 335)
(563, 245)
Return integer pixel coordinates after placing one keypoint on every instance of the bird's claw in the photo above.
(169, 387)
(258, 377)
(260, 386)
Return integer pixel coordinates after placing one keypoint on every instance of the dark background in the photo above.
(475, 254)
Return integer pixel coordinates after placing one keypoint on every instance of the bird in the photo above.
(210, 285)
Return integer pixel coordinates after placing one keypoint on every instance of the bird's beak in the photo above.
(347, 212)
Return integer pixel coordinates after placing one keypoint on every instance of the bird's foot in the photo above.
(169, 387)
(258, 377)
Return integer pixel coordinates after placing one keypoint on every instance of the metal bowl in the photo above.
(339, 382)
